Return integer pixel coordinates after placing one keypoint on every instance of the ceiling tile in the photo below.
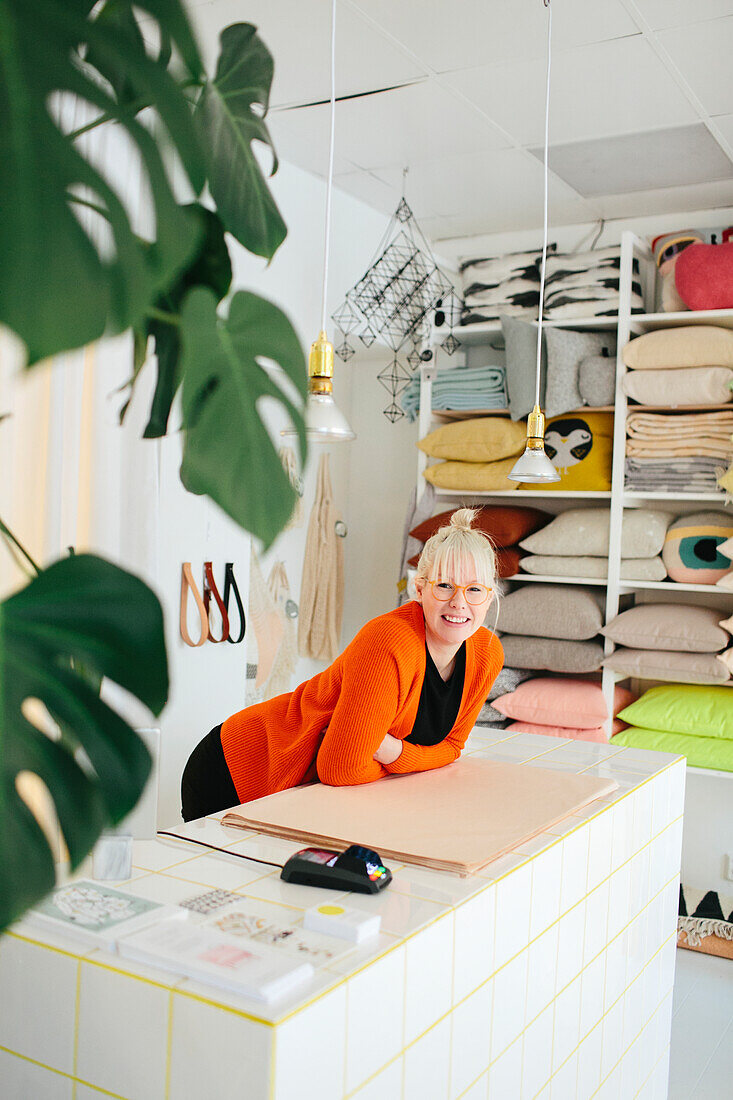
(371, 190)
(399, 127)
(703, 53)
(507, 184)
(298, 37)
(725, 125)
(612, 88)
(302, 136)
(672, 200)
(479, 32)
(640, 162)
(677, 13)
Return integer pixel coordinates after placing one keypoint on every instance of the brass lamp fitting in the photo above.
(320, 365)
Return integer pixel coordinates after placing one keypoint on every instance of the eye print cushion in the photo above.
(691, 548)
(579, 448)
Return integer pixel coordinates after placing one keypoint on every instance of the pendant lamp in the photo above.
(324, 421)
(534, 467)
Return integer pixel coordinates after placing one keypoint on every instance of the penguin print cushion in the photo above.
(580, 447)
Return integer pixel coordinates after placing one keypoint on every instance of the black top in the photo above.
(440, 701)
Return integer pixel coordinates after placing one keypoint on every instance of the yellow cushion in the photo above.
(484, 439)
(476, 476)
(580, 447)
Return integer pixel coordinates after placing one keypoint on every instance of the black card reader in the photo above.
(357, 869)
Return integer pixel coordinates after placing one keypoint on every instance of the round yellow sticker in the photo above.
(331, 910)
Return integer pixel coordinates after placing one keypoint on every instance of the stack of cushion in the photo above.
(498, 285)
(690, 365)
(669, 641)
(561, 707)
(504, 524)
(692, 550)
(586, 284)
(506, 682)
(575, 544)
(578, 368)
(694, 721)
(479, 453)
(552, 627)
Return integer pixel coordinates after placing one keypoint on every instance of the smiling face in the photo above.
(451, 622)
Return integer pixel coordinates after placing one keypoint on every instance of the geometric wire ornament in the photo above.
(400, 298)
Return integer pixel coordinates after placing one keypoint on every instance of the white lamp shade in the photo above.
(324, 422)
(533, 467)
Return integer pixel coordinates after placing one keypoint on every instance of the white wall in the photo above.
(208, 684)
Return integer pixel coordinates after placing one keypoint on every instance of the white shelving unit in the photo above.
(626, 325)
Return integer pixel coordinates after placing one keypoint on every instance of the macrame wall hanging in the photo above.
(399, 300)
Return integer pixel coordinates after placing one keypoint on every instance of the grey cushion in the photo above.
(489, 716)
(520, 339)
(507, 680)
(551, 654)
(632, 569)
(565, 351)
(597, 380)
(552, 611)
(682, 628)
(656, 664)
(585, 531)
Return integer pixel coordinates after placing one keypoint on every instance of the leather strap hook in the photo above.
(188, 583)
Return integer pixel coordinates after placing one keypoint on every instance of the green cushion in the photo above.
(693, 709)
(701, 752)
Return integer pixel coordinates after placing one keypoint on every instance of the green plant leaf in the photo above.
(228, 126)
(62, 290)
(211, 267)
(227, 451)
(82, 609)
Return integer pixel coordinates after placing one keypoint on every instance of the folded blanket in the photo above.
(459, 388)
(645, 425)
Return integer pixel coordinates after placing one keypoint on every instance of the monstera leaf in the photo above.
(210, 267)
(227, 451)
(80, 611)
(62, 289)
(228, 125)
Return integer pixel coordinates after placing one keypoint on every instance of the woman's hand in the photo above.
(389, 750)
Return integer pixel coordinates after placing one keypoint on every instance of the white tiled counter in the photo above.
(548, 976)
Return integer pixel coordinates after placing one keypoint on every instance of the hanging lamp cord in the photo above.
(544, 239)
(329, 182)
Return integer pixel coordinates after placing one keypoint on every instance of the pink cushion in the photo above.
(552, 700)
(595, 734)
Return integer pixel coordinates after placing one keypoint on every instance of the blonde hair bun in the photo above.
(462, 520)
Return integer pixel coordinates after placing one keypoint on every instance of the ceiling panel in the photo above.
(613, 88)
(395, 128)
(371, 190)
(478, 32)
(640, 162)
(302, 136)
(703, 54)
(671, 200)
(298, 34)
(499, 185)
(677, 13)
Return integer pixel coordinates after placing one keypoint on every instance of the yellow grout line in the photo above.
(77, 1003)
(61, 1073)
(169, 1046)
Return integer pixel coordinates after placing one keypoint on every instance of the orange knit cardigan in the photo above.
(330, 727)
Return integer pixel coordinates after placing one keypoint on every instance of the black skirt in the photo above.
(206, 784)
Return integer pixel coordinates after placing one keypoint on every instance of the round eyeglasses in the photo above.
(473, 593)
